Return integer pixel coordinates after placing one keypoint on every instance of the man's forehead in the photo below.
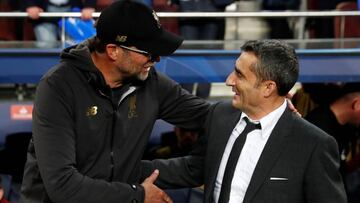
(246, 58)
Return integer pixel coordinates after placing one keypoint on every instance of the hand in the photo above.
(291, 105)
(154, 194)
(34, 12)
(86, 13)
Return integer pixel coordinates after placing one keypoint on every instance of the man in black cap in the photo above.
(94, 111)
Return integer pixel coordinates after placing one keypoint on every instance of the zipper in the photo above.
(115, 108)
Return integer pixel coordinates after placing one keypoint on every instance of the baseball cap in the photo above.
(132, 23)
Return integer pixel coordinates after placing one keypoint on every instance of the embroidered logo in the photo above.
(121, 38)
(156, 18)
(132, 107)
(91, 111)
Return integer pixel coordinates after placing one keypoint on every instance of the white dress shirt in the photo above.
(250, 154)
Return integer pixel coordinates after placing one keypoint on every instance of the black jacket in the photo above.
(87, 148)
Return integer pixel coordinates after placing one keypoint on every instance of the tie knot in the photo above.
(251, 126)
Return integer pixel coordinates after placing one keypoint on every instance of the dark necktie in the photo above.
(233, 159)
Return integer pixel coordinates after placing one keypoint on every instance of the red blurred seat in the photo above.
(351, 23)
(7, 25)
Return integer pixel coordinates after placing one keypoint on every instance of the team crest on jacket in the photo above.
(132, 107)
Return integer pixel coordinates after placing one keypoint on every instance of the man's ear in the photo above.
(355, 105)
(112, 51)
(269, 88)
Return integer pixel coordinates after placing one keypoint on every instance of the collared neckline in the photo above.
(269, 121)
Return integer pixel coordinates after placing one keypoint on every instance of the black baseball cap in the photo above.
(132, 23)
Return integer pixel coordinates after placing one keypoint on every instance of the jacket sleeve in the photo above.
(55, 149)
(181, 172)
(182, 109)
(185, 171)
(179, 107)
(323, 182)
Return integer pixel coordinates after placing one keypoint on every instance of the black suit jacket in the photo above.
(297, 151)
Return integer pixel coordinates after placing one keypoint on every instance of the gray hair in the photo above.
(277, 61)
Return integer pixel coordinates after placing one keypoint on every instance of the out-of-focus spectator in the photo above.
(339, 116)
(10, 29)
(201, 28)
(311, 95)
(244, 28)
(46, 29)
(170, 24)
(279, 27)
(322, 27)
(176, 143)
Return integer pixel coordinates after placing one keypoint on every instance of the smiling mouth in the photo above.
(235, 92)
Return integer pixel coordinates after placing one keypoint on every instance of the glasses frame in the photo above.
(151, 57)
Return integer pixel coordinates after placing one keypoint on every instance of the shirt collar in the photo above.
(269, 121)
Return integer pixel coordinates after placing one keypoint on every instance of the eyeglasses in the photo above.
(151, 57)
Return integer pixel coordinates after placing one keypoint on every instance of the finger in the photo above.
(153, 176)
(86, 16)
(291, 105)
(37, 12)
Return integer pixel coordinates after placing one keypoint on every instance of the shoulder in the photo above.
(61, 72)
(309, 131)
(61, 78)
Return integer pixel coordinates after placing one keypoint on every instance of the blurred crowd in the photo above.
(46, 29)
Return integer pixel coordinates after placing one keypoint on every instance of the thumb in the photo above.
(152, 177)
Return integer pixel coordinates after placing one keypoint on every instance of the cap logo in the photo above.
(156, 18)
(121, 38)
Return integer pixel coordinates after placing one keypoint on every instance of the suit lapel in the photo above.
(222, 132)
(270, 154)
